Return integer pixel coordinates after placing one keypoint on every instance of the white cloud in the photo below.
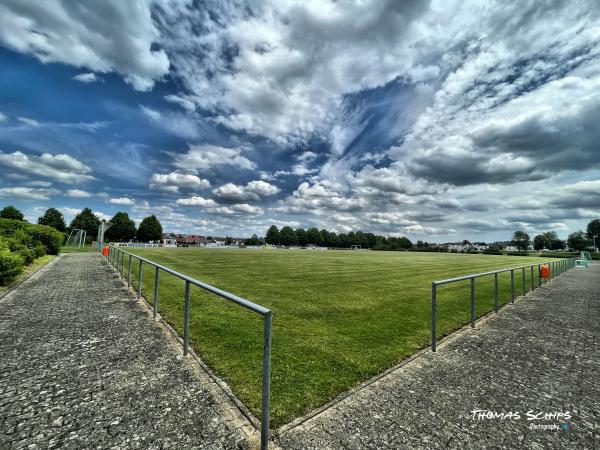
(60, 167)
(176, 123)
(239, 208)
(27, 121)
(171, 182)
(78, 193)
(253, 190)
(122, 201)
(196, 201)
(86, 77)
(262, 188)
(205, 156)
(105, 36)
(294, 61)
(2, 117)
(184, 102)
(27, 193)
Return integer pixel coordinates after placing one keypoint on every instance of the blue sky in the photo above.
(436, 120)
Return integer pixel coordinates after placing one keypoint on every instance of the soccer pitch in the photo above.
(340, 317)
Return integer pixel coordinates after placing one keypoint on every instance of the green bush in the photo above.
(48, 237)
(29, 234)
(11, 264)
(39, 250)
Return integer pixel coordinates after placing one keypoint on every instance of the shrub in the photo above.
(48, 237)
(11, 264)
(39, 250)
(30, 235)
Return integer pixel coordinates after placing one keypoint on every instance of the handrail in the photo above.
(116, 258)
(558, 267)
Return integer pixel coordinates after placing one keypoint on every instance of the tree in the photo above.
(593, 229)
(539, 242)
(253, 240)
(122, 228)
(53, 218)
(521, 240)
(287, 236)
(149, 230)
(272, 237)
(86, 220)
(10, 212)
(301, 235)
(578, 241)
(313, 237)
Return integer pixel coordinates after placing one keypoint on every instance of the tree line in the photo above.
(288, 236)
(577, 240)
(122, 228)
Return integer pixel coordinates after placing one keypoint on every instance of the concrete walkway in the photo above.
(540, 355)
(83, 366)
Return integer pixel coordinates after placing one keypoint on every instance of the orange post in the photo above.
(105, 251)
(545, 271)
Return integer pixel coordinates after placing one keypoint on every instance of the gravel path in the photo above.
(83, 366)
(540, 355)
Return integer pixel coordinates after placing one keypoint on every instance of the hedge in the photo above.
(11, 264)
(32, 235)
(22, 242)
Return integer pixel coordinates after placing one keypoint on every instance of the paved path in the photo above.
(540, 354)
(82, 366)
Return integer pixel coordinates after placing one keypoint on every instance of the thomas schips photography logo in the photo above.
(537, 420)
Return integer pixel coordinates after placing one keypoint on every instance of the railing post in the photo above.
(532, 280)
(266, 382)
(129, 273)
(523, 282)
(155, 305)
(139, 293)
(472, 302)
(539, 275)
(496, 292)
(512, 285)
(433, 316)
(186, 320)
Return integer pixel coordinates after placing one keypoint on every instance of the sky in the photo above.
(437, 120)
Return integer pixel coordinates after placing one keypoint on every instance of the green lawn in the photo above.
(340, 317)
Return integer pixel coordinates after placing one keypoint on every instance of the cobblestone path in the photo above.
(540, 355)
(83, 366)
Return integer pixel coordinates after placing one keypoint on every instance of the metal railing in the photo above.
(116, 257)
(556, 268)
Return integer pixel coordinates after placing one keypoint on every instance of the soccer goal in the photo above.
(76, 238)
(356, 247)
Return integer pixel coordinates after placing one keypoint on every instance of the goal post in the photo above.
(76, 238)
(356, 247)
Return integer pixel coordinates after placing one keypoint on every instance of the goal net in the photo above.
(76, 238)
(356, 247)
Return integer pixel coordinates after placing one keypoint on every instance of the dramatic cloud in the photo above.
(203, 157)
(27, 193)
(122, 201)
(252, 191)
(103, 36)
(78, 193)
(196, 201)
(86, 77)
(171, 182)
(60, 167)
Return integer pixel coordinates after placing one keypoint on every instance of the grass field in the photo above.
(340, 317)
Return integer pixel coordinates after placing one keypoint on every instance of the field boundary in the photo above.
(174, 337)
(176, 343)
(426, 350)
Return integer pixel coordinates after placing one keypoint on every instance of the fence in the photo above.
(556, 268)
(116, 257)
